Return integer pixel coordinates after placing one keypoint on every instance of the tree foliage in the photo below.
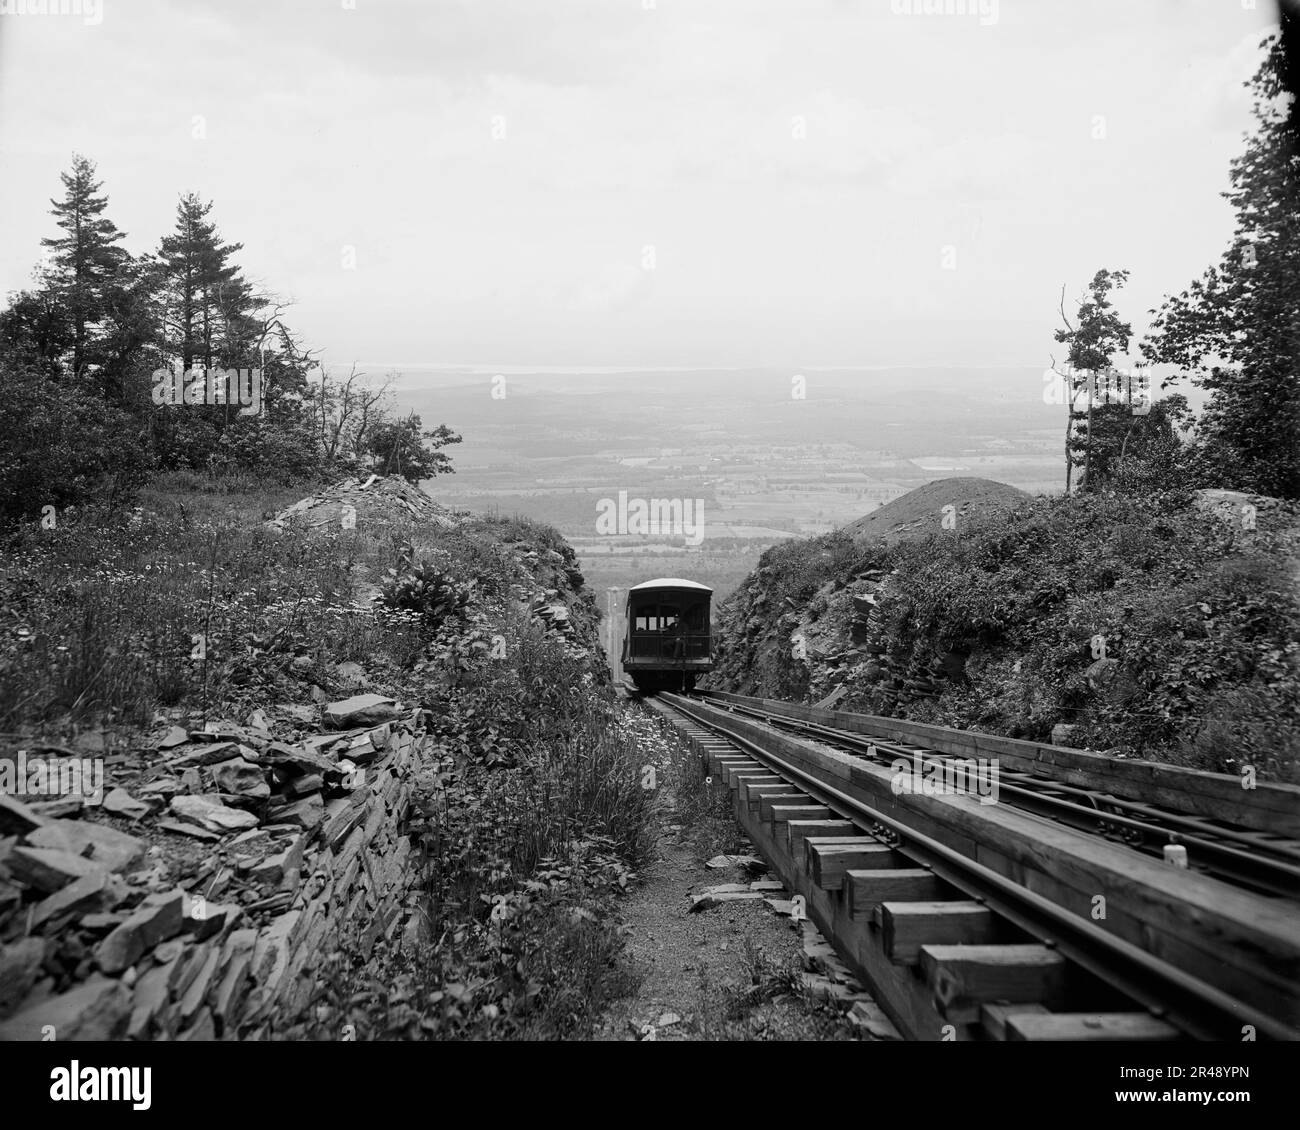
(399, 447)
(1236, 330)
(79, 349)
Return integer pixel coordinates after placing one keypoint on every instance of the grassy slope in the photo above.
(920, 511)
(532, 814)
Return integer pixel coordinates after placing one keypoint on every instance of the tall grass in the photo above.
(110, 615)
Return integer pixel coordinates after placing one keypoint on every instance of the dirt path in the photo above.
(734, 971)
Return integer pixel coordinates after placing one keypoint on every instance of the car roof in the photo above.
(670, 583)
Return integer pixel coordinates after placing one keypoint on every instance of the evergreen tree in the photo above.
(1236, 331)
(85, 259)
(209, 305)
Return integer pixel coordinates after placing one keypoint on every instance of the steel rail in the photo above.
(1264, 872)
(1197, 1008)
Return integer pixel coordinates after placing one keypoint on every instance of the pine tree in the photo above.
(210, 306)
(85, 260)
(1236, 331)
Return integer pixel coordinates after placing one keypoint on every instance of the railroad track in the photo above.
(1256, 860)
(1020, 920)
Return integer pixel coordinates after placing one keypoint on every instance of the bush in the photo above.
(63, 445)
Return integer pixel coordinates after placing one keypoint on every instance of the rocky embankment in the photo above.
(1125, 623)
(229, 861)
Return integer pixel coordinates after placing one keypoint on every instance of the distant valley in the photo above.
(767, 463)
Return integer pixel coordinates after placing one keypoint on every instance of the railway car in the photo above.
(667, 642)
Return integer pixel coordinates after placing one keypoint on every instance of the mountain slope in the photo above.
(920, 511)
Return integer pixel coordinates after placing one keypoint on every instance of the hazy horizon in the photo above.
(652, 184)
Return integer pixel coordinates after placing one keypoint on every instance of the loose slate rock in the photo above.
(95, 892)
(867, 1014)
(360, 710)
(121, 803)
(306, 813)
(158, 918)
(748, 862)
(48, 869)
(241, 778)
(16, 818)
(187, 830)
(207, 811)
(710, 899)
(97, 1009)
(175, 736)
(19, 965)
(104, 845)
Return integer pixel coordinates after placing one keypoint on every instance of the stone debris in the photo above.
(19, 965)
(748, 862)
(121, 803)
(98, 1009)
(16, 818)
(93, 892)
(270, 849)
(360, 710)
(97, 842)
(829, 990)
(867, 1015)
(727, 892)
(48, 869)
(158, 919)
(208, 812)
(378, 499)
(175, 736)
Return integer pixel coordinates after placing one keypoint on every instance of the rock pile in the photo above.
(252, 851)
(1253, 516)
(379, 498)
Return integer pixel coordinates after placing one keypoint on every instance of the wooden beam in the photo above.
(736, 776)
(864, 890)
(827, 862)
(783, 813)
(1090, 1026)
(729, 772)
(965, 977)
(767, 803)
(994, 1017)
(907, 926)
(749, 783)
(798, 830)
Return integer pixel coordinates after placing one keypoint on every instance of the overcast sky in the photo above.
(650, 182)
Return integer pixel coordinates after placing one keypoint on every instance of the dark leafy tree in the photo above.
(1139, 452)
(1236, 330)
(63, 443)
(401, 448)
(1098, 337)
(36, 332)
